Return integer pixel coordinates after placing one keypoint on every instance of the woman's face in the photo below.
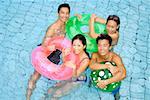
(78, 47)
(111, 26)
(103, 47)
(64, 14)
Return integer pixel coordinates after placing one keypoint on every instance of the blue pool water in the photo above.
(23, 24)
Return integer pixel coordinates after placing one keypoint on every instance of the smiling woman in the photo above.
(112, 27)
(65, 87)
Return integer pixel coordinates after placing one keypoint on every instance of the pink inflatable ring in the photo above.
(48, 69)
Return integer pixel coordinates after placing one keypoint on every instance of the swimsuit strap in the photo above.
(83, 59)
(59, 32)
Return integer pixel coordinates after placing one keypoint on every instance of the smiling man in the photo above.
(104, 54)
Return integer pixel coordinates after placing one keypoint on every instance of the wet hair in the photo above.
(114, 18)
(83, 40)
(104, 37)
(63, 5)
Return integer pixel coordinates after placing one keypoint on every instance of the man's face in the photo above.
(103, 47)
(64, 14)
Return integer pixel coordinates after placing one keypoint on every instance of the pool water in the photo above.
(23, 24)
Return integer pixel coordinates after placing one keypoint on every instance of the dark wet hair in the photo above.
(63, 5)
(114, 18)
(83, 40)
(104, 36)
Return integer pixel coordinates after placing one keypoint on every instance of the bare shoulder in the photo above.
(95, 54)
(50, 30)
(117, 34)
(52, 27)
(117, 59)
(115, 56)
(86, 60)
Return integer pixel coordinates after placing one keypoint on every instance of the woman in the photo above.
(112, 27)
(56, 29)
(79, 48)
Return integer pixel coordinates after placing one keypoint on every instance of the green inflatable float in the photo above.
(76, 26)
(104, 74)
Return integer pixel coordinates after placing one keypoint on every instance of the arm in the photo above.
(49, 34)
(65, 53)
(46, 40)
(94, 65)
(78, 16)
(91, 27)
(82, 67)
(118, 77)
(84, 64)
(122, 71)
(100, 20)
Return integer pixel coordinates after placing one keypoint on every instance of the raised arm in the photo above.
(91, 27)
(79, 16)
(100, 20)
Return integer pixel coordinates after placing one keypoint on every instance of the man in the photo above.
(56, 29)
(104, 54)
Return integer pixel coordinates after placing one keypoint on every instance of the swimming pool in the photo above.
(23, 24)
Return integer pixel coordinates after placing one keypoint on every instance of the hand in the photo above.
(70, 64)
(113, 69)
(66, 52)
(93, 16)
(102, 83)
(78, 16)
(51, 48)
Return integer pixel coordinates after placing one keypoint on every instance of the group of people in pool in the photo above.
(105, 53)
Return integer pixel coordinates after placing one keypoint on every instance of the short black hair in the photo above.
(63, 5)
(104, 36)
